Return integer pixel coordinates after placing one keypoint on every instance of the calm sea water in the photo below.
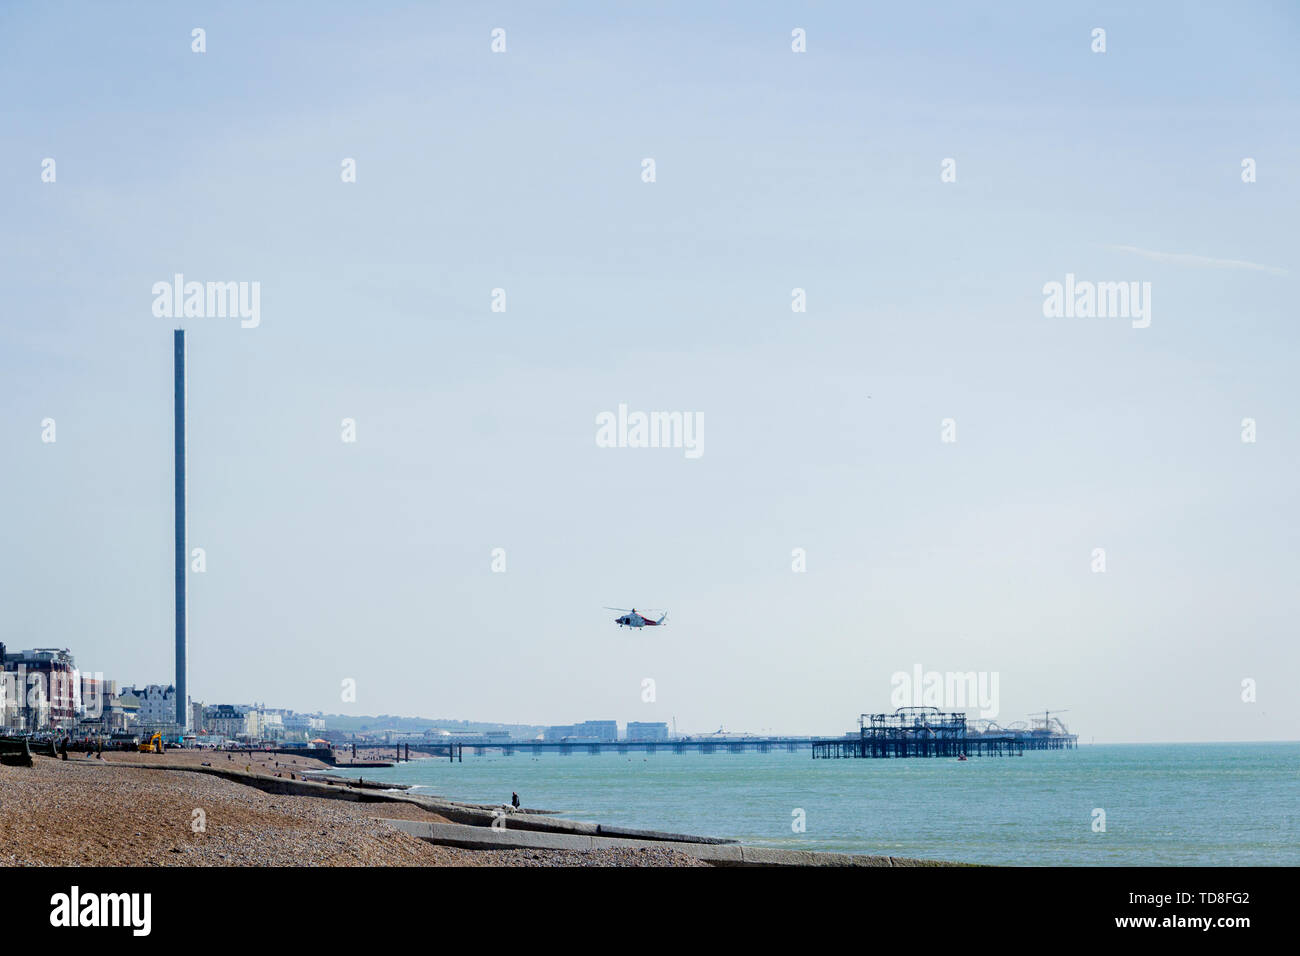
(1178, 804)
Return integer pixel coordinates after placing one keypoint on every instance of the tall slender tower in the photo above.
(182, 578)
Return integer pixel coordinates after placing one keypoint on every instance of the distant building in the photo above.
(8, 695)
(602, 730)
(302, 727)
(226, 720)
(93, 697)
(266, 724)
(646, 730)
(589, 731)
(279, 723)
(157, 705)
(130, 705)
(42, 689)
(102, 711)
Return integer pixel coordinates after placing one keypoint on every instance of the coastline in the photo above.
(193, 808)
(89, 812)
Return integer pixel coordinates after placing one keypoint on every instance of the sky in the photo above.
(371, 561)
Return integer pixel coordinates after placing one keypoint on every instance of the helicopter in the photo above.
(634, 618)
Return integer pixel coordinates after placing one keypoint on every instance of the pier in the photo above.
(917, 732)
(1042, 732)
(908, 732)
(509, 748)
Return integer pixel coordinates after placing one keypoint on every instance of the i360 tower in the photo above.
(182, 578)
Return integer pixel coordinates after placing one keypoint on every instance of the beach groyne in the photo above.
(15, 752)
(481, 827)
(323, 754)
(462, 813)
(715, 854)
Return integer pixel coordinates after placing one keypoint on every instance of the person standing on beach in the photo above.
(514, 800)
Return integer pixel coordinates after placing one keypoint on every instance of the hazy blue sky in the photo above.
(476, 429)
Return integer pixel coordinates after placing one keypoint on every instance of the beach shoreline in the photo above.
(155, 810)
(211, 808)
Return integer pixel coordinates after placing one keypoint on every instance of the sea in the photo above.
(1215, 804)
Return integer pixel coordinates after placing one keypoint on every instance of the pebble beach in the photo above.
(141, 810)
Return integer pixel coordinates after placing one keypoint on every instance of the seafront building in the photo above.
(130, 705)
(258, 722)
(157, 703)
(42, 689)
(155, 710)
(594, 731)
(102, 709)
(265, 724)
(226, 720)
(646, 730)
(43, 692)
(299, 728)
(606, 731)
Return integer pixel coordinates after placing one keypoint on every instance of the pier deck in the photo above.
(908, 732)
(929, 732)
(846, 747)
